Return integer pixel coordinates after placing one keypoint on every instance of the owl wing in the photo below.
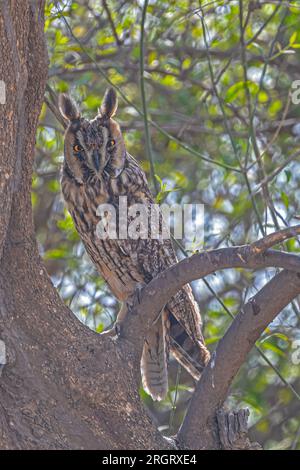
(126, 262)
(180, 327)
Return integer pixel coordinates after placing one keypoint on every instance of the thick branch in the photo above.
(198, 428)
(157, 293)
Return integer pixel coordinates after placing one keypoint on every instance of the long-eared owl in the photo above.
(97, 169)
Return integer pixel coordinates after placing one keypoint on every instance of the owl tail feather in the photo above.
(188, 362)
(191, 354)
(154, 362)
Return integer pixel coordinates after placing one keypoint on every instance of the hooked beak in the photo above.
(96, 159)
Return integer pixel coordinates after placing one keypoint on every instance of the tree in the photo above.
(63, 385)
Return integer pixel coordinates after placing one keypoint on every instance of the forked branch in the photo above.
(212, 389)
(157, 293)
(201, 426)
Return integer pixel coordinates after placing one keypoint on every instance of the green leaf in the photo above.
(272, 347)
(56, 253)
(238, 90)
(288, 175)
(285, 199)
(293, 38)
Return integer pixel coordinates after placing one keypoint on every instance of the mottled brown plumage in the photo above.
(97, 169)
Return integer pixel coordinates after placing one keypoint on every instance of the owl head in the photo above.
(93, 147)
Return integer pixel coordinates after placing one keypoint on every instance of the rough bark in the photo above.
(64, 386)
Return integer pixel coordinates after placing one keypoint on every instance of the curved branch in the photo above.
(272, 239)
(231, 352)
(200, 424)
(157, 293)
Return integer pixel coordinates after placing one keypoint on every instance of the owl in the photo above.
(98, 170)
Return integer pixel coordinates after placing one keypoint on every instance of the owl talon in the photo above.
(136, 298)
(111, 332)
(118, 329)
(138, 292)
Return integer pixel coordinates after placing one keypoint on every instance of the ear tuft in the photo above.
(68, 107)
(110, 103)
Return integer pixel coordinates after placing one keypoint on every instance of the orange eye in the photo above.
(111, 142)
(77, 148)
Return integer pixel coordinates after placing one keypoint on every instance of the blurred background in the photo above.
(219, 80)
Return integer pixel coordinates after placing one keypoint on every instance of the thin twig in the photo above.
(227, 127)
(111, 22)
(278, 170)
(144, 102)
(275, 238)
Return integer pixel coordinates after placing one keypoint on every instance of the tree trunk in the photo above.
(63, 386)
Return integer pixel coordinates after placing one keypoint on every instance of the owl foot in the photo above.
(111, 332)
(115, 331)
(136, 298)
